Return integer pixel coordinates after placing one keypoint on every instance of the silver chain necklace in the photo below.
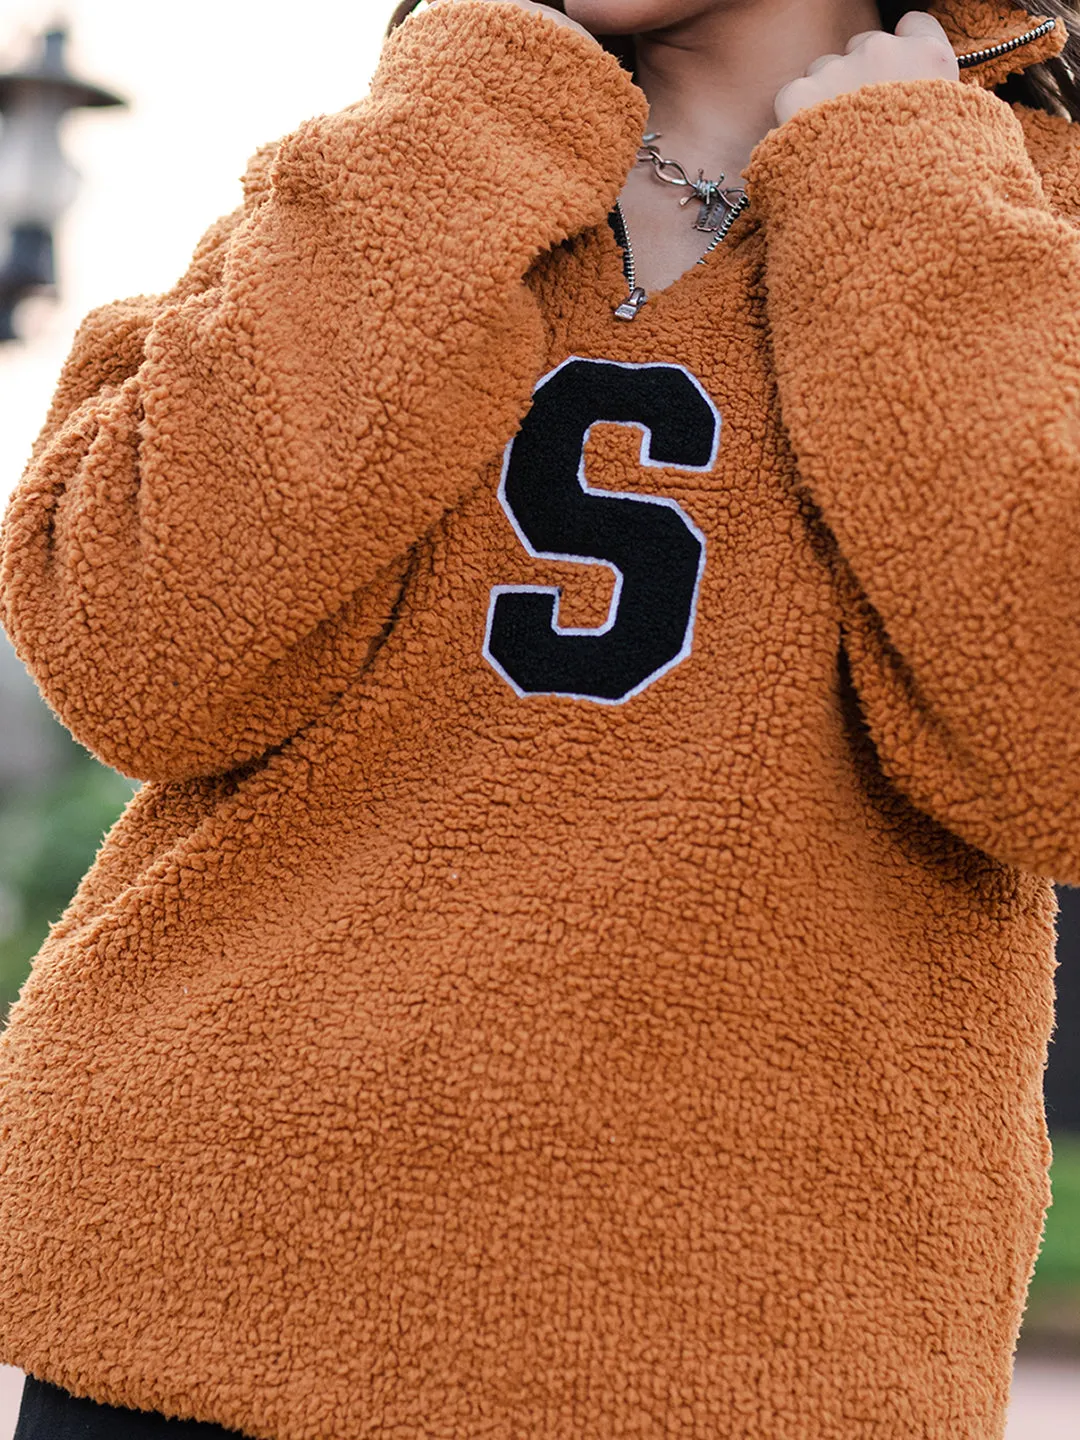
(720, 207)
(716, 200)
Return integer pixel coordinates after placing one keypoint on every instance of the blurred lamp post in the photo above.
(37, 182)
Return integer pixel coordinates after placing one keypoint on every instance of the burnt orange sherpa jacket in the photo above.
(581, 963)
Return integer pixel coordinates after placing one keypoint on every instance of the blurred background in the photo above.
(123, 178)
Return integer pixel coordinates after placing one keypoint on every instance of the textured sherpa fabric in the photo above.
(580, 965)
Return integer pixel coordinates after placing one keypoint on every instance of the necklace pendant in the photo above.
(716, 208)
(719, 207)
(713, 207)
(714, 203)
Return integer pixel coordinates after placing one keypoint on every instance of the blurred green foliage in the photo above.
(49, 834)
(1060, 1258)
(1053, 1313)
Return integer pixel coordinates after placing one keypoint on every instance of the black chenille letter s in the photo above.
(654, 548)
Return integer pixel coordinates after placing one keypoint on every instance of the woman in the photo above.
(581, 961)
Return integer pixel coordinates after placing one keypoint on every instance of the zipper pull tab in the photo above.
(628, 310)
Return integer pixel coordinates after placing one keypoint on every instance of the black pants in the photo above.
(48, 1413)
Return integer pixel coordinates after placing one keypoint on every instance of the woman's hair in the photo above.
(1053, 86)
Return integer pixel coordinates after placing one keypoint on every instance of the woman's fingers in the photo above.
(819, 62)
(915, 22)
(920, 50)
(919, 23)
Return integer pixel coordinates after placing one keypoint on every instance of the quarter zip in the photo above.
(630, 308)
(991, 52)
(637, 297)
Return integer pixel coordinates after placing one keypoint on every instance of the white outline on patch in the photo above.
(613, 609)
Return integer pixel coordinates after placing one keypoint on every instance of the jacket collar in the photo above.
(974, 26)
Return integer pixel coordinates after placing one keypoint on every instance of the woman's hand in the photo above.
(919, 50)
(556, 15)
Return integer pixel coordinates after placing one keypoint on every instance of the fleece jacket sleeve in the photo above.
(923, 297)
(217, 519)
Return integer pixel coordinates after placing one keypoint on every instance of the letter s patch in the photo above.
(655, 550)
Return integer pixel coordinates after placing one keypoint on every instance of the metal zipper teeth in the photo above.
(636, 297)
(623, 237)
(729, 220)
(629, 308)
(979, 57)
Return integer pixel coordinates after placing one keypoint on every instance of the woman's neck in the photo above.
(711, 80)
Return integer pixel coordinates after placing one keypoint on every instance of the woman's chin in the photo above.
(631, 17)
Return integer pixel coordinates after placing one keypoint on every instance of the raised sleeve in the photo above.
(219, 514)
(923, 299)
